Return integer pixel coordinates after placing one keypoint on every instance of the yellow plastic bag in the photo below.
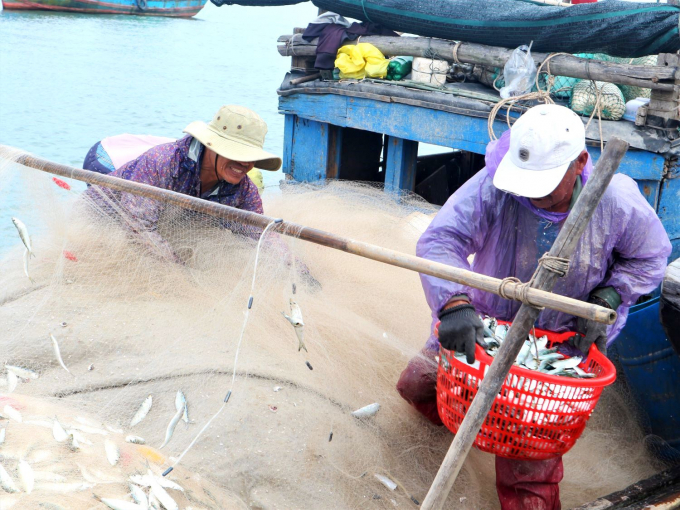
(361, 60)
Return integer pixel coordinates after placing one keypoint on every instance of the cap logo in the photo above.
(524, 154)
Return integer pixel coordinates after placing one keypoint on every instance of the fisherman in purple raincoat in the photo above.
(508, 215)
(211, 162)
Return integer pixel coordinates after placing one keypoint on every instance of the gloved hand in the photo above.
(591, 332)
(460, 328)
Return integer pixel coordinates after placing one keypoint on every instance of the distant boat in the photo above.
(173, 8)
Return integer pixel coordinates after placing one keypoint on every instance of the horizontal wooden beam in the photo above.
(651, 77)
(404, 260)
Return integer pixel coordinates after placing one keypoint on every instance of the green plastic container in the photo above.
(399, 67)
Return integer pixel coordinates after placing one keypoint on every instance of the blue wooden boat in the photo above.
(370, 131)
(172, 8)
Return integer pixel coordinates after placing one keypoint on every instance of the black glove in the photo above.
(459, 329)
(591, 332)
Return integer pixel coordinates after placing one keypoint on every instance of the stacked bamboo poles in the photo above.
(651, 77)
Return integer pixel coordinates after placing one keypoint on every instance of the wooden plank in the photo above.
(635, 492)
(434, 127)
(639, 165)
(334, 151)
(400, 164)
(309, 150)
(288, 136)
(659, 77)
(313, 235)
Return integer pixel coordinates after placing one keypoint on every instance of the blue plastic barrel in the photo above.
(652, 370)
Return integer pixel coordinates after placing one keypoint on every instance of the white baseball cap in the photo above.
(543, 142)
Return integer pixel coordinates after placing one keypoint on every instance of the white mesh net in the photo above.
(129, 324)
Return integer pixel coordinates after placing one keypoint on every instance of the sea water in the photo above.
(68, 80)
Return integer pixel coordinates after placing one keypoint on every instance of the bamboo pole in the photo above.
(650, 77)
(369, 251)
(564, 246)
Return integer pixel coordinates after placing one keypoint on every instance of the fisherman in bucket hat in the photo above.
(211, 162)
(508, 215)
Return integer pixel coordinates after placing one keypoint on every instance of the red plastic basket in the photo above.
(535, 416)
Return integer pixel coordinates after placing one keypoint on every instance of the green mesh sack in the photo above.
(584, 97)
(630, 92)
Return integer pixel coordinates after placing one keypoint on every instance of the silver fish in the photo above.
(112, 452)
(2, 435)
(51, 506)
(162, 495)
(145, 481)
(564, 364)
(524, 353)
(166, 483)
(138, 495)
(181, 403)
(153, 502)
(23, 373)
(114, 429)
(26, 257)
(57, 353)
(142, 411)
(135, 439)
(583, 373)
(9, 412)
(26, 476)
(171, 427)
(23, 234)
(531, 363)
(58, 431)
(73, 443)
(367, 411)
(12, 382)
(6, 481)
(295, 319)
(386, 481)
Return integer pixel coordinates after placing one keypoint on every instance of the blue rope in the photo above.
(363, 8)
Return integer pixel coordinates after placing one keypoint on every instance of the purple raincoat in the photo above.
(624, 246)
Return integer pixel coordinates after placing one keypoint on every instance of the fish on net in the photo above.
(129, 324)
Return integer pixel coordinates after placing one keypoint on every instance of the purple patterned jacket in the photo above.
(169, 166)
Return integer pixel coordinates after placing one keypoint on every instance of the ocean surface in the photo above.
(68, 80)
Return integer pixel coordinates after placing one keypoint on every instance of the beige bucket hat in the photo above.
(236, 133)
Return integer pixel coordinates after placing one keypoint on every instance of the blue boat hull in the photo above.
(172, 8)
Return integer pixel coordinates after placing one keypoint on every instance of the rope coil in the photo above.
(557, 265)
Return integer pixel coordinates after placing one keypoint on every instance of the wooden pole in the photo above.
(303, 79)
(650, 77)
(369, 251)
(564, 246)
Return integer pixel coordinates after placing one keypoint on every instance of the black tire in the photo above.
(142, 5)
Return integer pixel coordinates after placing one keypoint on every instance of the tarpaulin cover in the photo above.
(617, 28)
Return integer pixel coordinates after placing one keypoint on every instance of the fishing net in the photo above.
(130, 324)
(587, 96)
